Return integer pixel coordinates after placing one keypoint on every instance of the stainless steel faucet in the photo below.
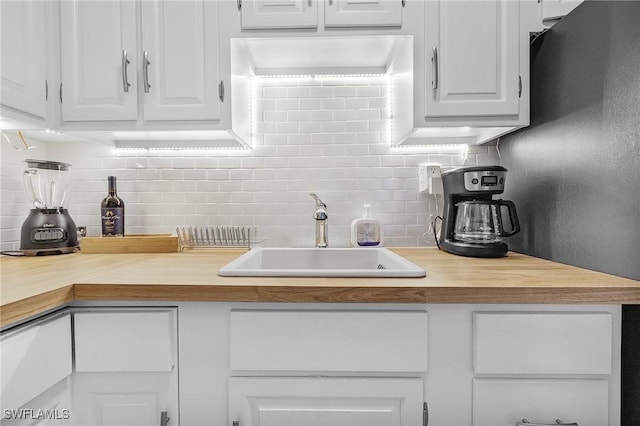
(321, 217)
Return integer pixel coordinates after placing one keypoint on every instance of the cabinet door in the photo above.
(180, 60)
(99, 60)
(126, 371)
(23, 56)
(363, 13)
(269, 14)
(325, 401)
(472, 58)
(553, 9)
(503, 402)
(34, 359)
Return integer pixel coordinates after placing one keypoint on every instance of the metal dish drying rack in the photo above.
(216, 236)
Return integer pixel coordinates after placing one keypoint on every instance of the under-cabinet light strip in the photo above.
(432, 149)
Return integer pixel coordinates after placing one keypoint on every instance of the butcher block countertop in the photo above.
(34, 285)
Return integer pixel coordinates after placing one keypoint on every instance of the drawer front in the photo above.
(325, 401)
(289, 340)
(542, 343)
(503, 402)
(33, 359)
(125, 341)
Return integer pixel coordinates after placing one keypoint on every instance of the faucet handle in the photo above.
(319, 202)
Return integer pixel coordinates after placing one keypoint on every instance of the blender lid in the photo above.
(48, 165)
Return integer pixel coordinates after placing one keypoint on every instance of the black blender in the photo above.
(49, 229)
(472, 221)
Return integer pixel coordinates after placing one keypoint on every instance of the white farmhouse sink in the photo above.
(321, 262)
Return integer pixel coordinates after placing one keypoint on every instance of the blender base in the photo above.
(48, 232)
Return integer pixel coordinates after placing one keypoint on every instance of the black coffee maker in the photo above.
(472, 221)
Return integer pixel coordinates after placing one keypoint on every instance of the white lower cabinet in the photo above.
(318, 365)
(506, 401)
(125, 367)
(495, 365)
(325, 401)
(371, 346)
(35, 358)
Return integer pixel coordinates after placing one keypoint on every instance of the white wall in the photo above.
(328, 137)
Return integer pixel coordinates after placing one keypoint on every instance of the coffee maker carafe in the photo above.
(49, 229)
(473, 223)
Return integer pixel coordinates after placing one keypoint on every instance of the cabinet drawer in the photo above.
(289, 340)
(503, 402)
(34, 359)
(542, 343)
(125, 341)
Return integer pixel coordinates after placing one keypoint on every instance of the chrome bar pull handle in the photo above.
(526, 422)
(221, 91)
(145, 71)
(164, 418)
(125, 78)
(434, 66)
(425, 414)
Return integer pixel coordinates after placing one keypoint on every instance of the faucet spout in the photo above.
(321, 217)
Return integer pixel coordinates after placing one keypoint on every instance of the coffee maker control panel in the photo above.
(485, 180)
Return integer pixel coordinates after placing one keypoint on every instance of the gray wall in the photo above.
(574, 174)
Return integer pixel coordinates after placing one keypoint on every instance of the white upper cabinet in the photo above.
(555, 9)
(180, 60)
(265, 14)
(363, 13)
(472, 58)
(24, 85)
(304, 14)
(99, 58)
(172, 75)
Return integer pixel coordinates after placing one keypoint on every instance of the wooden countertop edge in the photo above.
(347, 294)
(35, 305)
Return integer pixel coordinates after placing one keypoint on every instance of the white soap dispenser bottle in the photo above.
(366, 231)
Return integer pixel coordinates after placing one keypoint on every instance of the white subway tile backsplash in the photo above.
(310, 103)
(324, 135)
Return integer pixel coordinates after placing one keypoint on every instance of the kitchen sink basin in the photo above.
(321, 262)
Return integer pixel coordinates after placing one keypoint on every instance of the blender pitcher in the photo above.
(47, 183)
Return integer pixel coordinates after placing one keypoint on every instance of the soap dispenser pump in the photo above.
(366, 231)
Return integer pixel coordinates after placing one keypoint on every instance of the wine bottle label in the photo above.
(112, 221)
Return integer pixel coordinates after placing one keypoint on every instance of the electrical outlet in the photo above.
(429, 179)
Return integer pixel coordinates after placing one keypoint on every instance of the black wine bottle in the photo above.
(112, 212)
